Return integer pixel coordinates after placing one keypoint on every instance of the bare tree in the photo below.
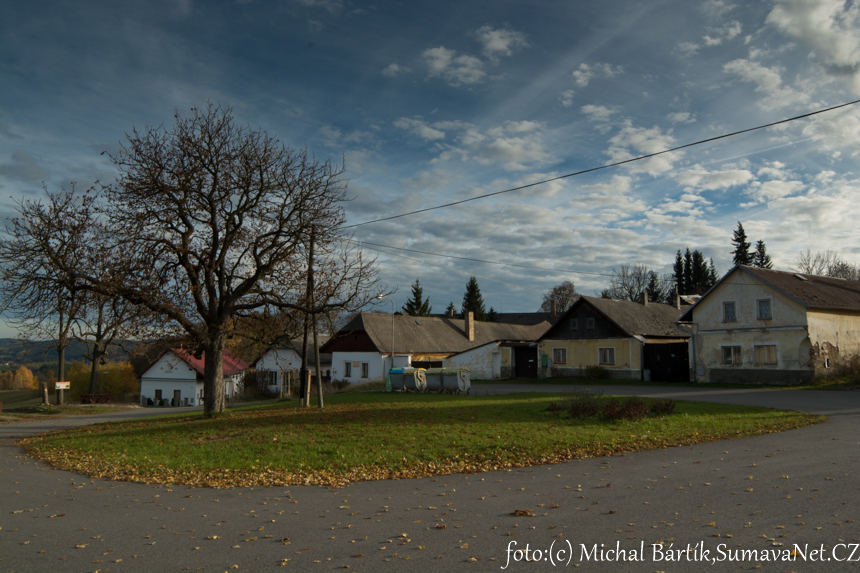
(563, 294)
(628, 283)
(825, 263)
(38, 295)
(210, 221)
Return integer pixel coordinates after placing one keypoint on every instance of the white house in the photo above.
(177, 376)
(361, 351)
(279, 365)
(765, 326)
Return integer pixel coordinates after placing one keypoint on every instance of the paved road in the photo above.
(763, 493)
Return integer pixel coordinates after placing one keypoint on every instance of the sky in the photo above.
(427, 103)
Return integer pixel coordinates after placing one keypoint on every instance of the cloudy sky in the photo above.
(432, 102)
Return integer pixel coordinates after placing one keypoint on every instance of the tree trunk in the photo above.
(213, 376)
(98, 352)
(317, 360)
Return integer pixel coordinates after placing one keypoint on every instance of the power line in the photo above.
(617, 163)
(482, 260)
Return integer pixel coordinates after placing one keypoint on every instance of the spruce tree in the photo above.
(492, 316)
(416, 306)
(699, 273)
(473, 301)
(761, 259)
(689, 286)
(713, 277)
(450, 310)
(741, 255)
(678, 274)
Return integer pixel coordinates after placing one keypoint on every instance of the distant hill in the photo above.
(14, 351)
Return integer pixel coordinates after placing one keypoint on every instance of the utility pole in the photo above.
(314, 318)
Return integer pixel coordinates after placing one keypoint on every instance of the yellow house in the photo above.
(764, 326)
(632, 340)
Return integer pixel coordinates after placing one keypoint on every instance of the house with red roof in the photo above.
(177, 376)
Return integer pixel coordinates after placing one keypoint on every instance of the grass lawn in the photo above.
(381, 436)
(21, 404)
(843, 383)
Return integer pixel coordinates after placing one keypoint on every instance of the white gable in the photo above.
(170, 367)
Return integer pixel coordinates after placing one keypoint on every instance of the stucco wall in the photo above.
(834, 335)
(373, 359)
(171, 367)
(484, 362)
(787, 330)
(584, 353)
(190, 389)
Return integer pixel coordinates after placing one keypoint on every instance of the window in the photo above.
(729, 312)
(559, 355)
(589, 323)
(365, 369)
(574, 324)
(606, 355)
(158, 394)
(766, 354)
(347, 369)
(732, 355)
(764, 309)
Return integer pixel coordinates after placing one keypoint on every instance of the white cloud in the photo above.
(681, 117)
(597, 113)
(455, 69)
(632, 141)
(770, 190)
(566, 98)
(699, 178)
(498, 43)
(727, 31)
(394, 69)
(24, 167)
(417, 126)
(830, 28)
(586, 73)
(768, 82)
(836, 130)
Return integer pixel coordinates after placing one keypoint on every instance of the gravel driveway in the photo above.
(764, 495)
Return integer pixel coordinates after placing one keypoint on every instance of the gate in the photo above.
(668, 362)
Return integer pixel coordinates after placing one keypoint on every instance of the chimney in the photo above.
(677, 300)
(451, 313)
(645, 297)
(470, 326)
(552, 308)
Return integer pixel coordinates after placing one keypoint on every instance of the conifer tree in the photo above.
(761, 259)
(473, 301)
(416, 306)
(492, 316)
(678, 274)
(713, 277)
(699, 273)
(688, 272)
(741, 255)
(450, 310)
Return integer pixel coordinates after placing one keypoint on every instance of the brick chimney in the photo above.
(677, 300)
(552, 308)
(470, 326)
(645, 297)
(451, 313)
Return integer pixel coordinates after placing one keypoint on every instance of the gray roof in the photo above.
(811, 291)
(654, 320)
(433, 335)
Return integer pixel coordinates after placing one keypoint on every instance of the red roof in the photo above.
(232, 363)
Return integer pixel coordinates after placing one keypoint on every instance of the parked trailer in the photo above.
(448, 379)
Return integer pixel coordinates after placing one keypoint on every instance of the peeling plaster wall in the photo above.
(484, 362)
(787, 330)
(834, 335)
(585, 352)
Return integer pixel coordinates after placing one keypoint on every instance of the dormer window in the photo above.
(589, 323)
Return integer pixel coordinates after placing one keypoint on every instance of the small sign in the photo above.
(62, 385)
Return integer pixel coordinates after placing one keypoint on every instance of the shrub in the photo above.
(555, 408)
(632, 409)
(596, 372)
(662, 407)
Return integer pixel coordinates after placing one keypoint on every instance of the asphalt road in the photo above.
(769, 494)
